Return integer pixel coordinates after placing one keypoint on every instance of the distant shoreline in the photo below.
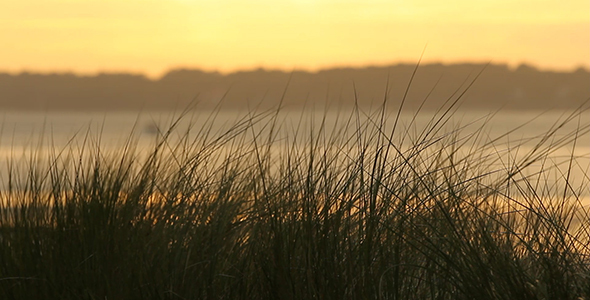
(498, 86)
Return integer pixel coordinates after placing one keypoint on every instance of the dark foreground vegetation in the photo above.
(372, 211)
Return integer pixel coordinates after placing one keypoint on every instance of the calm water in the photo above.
(24, 134)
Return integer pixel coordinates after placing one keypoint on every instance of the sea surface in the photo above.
(27, 137)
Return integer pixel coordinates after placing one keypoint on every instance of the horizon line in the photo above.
(511, 67)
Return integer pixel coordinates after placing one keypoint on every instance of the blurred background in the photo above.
(160, 54)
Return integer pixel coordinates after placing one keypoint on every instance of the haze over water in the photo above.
(29, 137)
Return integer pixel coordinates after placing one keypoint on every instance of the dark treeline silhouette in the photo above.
(498, 86)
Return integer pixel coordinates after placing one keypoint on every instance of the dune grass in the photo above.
(368, 209)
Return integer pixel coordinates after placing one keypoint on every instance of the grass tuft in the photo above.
(270, 210)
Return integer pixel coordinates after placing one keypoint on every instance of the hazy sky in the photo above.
(153, 36)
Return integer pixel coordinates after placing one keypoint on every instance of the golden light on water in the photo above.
(153, 36)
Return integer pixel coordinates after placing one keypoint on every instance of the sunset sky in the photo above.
(153, 36)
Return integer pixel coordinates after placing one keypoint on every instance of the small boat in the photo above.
(151, 128)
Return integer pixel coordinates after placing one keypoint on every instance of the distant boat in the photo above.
(151, 129)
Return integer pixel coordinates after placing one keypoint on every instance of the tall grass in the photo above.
(365, 209)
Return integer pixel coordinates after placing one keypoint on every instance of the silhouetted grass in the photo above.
(363, 210)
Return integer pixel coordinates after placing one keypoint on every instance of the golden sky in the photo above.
(152, 36)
